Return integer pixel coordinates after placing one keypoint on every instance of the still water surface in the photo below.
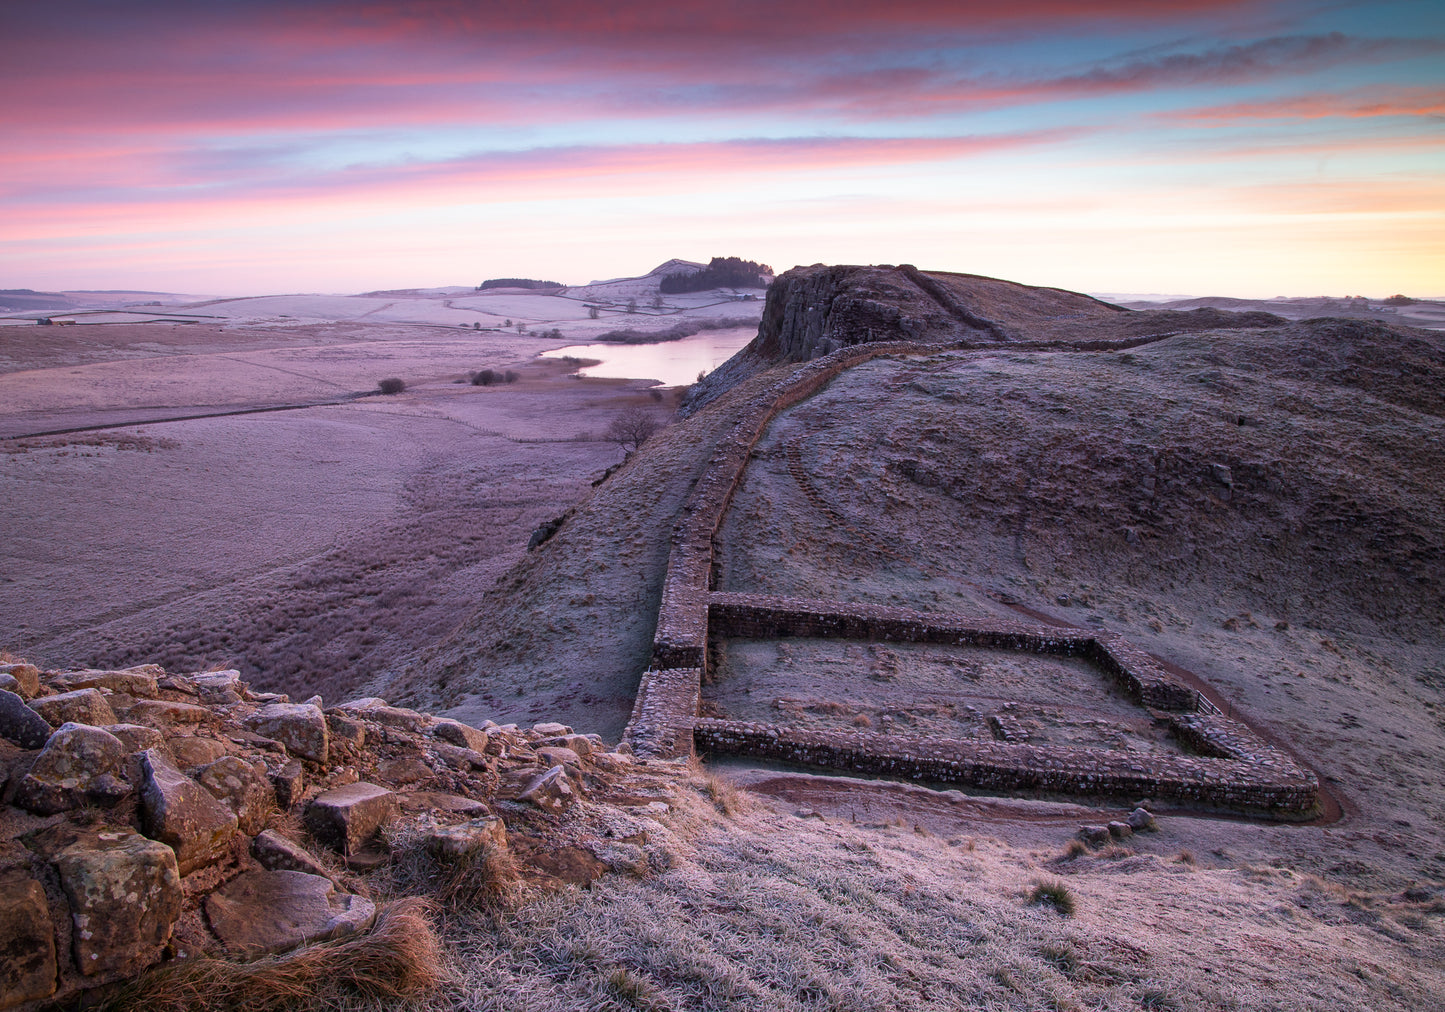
(671, 363)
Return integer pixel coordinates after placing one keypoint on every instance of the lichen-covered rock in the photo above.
(241, 786)
(272, 911)
(288, 782)
(166, 713)
(27, 676)
(398, 717)
(346, 728)
(301, 727)
(276, 853)
(462, 758)
(556, 755)
(550, 729)
(27, 941)
(468, 840)
(140, 682)
(578, 743)
(551, 791)
(1140, 820)
(69, 770)
(79, 706)
(125, 896)
(194, 750)
(218, 688)
(136, 737)
(347, 817)
(462, 735)
(20, 724)
(180, 812)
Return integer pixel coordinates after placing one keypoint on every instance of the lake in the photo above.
(671, 363)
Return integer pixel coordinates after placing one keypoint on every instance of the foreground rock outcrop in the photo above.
(148, 818)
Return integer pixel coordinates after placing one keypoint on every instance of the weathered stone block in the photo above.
(273, 911)
(28, 968)
(299, 726)
(166, 713)
(462, 758)
(555, 755)
(136, 737)
(63, 775)
(139, 682)
(241, 786)
(125, 896)
(551, 791)
(551, 729)
(190, 751)
(289, 782)
(218, 687)
(276, 853)
(26, 675)
(461, 735)
(345, 728)
(20, 723)
(180, 812)
(81, 706)
(468, 841)
(349, 816)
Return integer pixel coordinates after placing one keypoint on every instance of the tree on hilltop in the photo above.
(721, 272)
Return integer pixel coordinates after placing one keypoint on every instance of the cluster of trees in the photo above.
(487, 377)
(517, 283)
(721, 272)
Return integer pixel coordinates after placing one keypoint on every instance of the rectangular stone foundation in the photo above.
(1279, 787)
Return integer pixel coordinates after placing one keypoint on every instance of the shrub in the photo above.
(392, 385)
(510, 376)
(485, 378)
(631, 429)
(1053, 893)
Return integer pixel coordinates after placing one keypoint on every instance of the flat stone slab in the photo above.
(264, 912)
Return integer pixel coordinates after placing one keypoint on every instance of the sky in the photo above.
(1199, 147)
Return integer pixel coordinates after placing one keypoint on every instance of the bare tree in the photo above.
(631, 429)
(657, 302)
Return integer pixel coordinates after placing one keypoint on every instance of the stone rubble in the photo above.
(147, 817)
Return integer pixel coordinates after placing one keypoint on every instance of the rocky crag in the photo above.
(151, 818)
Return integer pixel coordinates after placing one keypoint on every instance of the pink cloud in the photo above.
(59, 205)
(1370, 104)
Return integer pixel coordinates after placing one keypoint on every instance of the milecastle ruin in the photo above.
(1228, 765)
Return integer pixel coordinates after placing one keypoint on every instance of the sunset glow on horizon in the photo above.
(1199, 147)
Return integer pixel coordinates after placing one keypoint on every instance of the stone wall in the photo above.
(1278, 787)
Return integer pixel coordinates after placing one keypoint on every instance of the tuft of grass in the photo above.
(400, 959)
(1076, 848)
(636, 989)
(1156, 999)
(1053, 893)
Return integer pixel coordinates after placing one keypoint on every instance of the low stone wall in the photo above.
(763, 617)
(1278, 787)
(664, 712)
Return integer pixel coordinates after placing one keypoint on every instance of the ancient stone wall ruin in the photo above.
(1236, 769)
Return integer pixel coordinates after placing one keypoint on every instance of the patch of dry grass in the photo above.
(398, 961)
